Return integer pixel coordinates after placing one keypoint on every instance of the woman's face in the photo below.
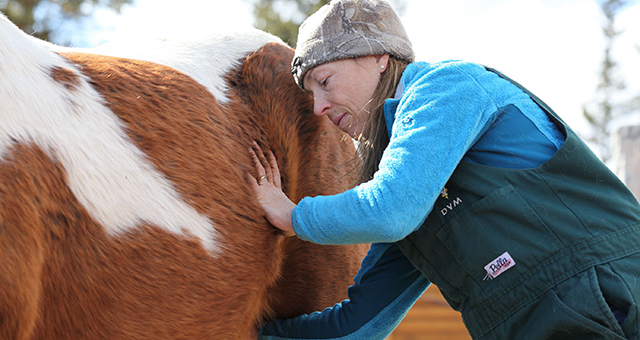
(343, 89)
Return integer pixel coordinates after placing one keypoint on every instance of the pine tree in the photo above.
(606, 106)
(40, 17)
(283, 17)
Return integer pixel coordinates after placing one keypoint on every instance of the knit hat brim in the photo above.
(345, 29)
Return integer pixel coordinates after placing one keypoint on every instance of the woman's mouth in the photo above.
(337, 120)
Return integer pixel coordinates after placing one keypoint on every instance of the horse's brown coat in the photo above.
(64, 277)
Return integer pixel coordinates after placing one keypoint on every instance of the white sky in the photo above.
(552, 47)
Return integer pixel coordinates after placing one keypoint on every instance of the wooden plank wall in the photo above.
(431, 318)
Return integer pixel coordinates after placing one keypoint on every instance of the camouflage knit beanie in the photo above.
(345, 29)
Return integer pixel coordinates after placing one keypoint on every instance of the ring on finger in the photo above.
(262, 177)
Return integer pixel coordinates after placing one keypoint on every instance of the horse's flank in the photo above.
(124, 210)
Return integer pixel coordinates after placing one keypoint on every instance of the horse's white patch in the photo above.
(206, 57)
(109, 175)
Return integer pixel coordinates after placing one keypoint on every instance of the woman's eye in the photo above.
(324, 82)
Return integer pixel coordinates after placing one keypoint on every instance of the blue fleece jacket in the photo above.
(445, 113)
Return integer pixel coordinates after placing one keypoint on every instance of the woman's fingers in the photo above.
(268, 164)
(263, 162)
(274, 169)
(276, 205)
(259, 167)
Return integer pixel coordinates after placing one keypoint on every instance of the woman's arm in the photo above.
(439, 117)
(441, 114)
(385, 288)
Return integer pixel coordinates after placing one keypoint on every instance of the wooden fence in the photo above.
(431, 318)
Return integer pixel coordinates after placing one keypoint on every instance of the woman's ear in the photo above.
(383, 62)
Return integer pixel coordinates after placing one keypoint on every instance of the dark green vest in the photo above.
(554, 221)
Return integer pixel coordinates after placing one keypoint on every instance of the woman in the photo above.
(468, 181)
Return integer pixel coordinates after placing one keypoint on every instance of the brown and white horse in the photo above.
(124, 208)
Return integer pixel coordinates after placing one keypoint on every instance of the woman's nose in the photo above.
(321, 106)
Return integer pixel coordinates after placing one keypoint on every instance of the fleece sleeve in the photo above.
(441, 114)
(385, 288)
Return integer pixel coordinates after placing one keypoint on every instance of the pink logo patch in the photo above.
(499, 266)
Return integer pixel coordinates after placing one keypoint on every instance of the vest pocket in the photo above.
(498, 224)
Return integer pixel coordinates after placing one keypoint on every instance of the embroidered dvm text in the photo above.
(450, 206)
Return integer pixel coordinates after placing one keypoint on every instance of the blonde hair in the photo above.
(374, 138)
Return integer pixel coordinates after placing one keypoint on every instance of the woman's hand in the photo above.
(268, 188)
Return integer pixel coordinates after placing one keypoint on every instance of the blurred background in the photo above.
(582, 57)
